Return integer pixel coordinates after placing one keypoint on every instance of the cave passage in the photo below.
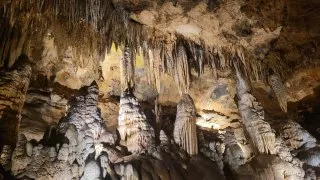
(159, 90)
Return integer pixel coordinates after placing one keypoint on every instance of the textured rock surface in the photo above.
(13, 87)
(185, 130)
(261, 134)
(144, 55)
(135, 131)
(280, 90)
(59, 159)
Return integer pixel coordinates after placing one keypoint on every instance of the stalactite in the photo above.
(182, 74)
(154, 68)
(14, 42)
(13, 87)
(279, 90)
(127, 64)
(252, 113)
(157, 112)
(168, 62)
(135, 131)
(106, 24)
(184, 132)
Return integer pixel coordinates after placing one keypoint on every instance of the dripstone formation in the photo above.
(74, 150)
(135, 131)
(185, 130)
(159, 90)
(14, 84)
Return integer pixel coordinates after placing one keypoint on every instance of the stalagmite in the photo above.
(135, 131)
(252, 113)
(13, 87)
(164, 141)
(84, 135)
(184, 133)
(84, 114)
(279, 90)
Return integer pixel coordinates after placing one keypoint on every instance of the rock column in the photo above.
(184, 132)
(14, 84)
(252, 113)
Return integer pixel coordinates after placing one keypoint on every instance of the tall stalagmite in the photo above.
(252, 113)
(184, 132)
(74, 151)
(14, 84)
(135, 131)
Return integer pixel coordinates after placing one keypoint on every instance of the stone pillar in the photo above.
(184, 133)
(14, 84)
(135, 131)
(260, 132)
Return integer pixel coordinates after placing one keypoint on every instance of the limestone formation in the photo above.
(261, 134)
(127, 68)
(98, 89)
(14, 84)
(295, 137)
(185, 130)
(86, 135)
(135, 131)
(266, 167)
(280, 90)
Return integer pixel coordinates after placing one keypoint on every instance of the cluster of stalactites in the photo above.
(175, 61)
(98, 19)
(185, 131)
(179, 58)
(107, 24)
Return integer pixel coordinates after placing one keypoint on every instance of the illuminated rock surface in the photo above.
(142, 89)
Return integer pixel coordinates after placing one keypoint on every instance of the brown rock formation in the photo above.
(13, 88)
